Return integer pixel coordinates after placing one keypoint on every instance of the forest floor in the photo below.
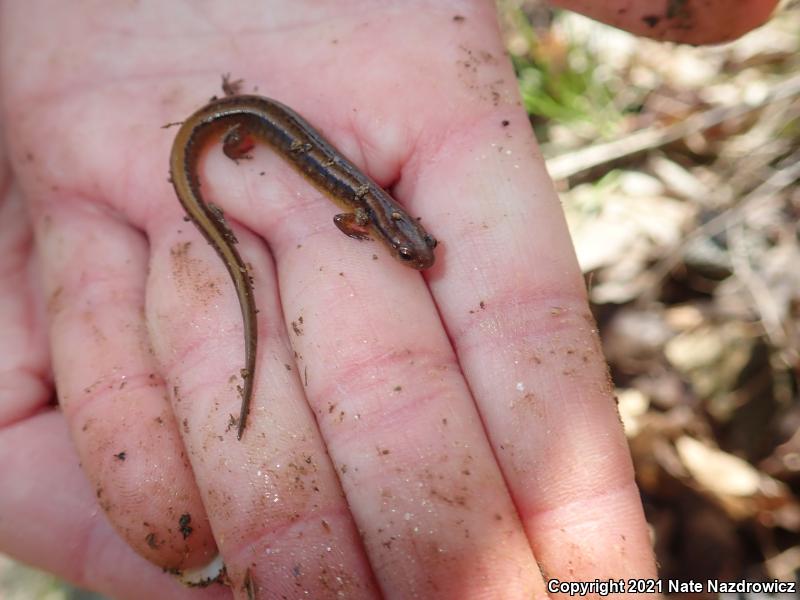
(677, 169)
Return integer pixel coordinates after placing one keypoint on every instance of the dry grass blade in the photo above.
(572, 163)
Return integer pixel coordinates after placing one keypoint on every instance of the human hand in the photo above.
(49, 513)
(467, 414)
(683, 21)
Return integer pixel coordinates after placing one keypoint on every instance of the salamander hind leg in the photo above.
(237, 143)
(354, 225)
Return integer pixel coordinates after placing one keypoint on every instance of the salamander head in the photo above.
(417, 250)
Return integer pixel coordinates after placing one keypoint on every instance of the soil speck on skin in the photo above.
(249, 585)
(298, 331)
(184, 525)
(179, 251)
(651, 20)
(53, 304)
(677, 8)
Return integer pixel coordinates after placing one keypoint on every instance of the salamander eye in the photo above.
(405, 253)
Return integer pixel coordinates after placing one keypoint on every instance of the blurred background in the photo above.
(678, 169)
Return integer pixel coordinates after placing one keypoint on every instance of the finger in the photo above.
(510, 292)
(708, 22)
(24, 386)
(401, 428)
(51, 518)
(273, 498)
(109, 386)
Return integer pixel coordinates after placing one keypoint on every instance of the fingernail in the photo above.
(213, 572)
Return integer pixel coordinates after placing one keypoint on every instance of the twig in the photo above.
(765, 304)
(783, 566)
(760, 196)
(565, 165)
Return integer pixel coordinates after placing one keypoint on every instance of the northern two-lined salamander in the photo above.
(236, 120)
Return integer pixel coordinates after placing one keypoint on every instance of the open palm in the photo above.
(449, 434)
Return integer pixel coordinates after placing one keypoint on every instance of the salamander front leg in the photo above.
(354, 224)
